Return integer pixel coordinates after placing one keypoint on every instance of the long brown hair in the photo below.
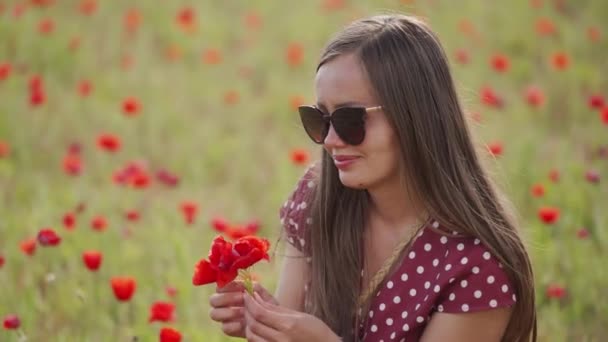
(410, 76)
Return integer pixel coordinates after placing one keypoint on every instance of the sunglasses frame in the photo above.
(328, 120)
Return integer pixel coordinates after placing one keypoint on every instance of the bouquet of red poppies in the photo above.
(228, 260)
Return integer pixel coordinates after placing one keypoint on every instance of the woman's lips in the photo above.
(343, 162)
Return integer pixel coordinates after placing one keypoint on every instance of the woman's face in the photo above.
(341, 82)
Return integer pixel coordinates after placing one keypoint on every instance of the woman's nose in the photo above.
(332, 139)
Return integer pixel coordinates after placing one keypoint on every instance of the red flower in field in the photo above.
(167, 178)
(37, 92)
(84, 88)
(582, 234)
(132, 215)
(140, 179)
(69, 221)
(46, 26)
(299, 156)
(99, 223)
(220, 224)
(92, 259)
(296, 101)
(225, 259)
(560, 61)
(47, 237)
(5, 149)
(123, 287)
(19, 9)
(131, 106)
(592, 176)
(72, 164)
(35, 83)
(28, 246)
(596, 101)
(231, 97)
(593, 33)
(1, 260)
(294, 54)
(239, 231)
(161, 311)
(212, 56)
(462, 56)
(490, 98)
(132, 20)
(604, 115)
(171, 291)
(548, 215)
(127, 62)
(186, 19)
(189, 209)
(74, 43)
(333, 5)
(554, 176)
(538, 190)
(173, 52)
(555, 291)
(495, 148)
(108, 142)
(11, 322)
(253, 21)
(5, 70)
(500, 63)
(170, 335)
(42, 3)
(88, 7)
(545, 27)
(534, 96)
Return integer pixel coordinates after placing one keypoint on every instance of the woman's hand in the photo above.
(227, 306)
(266, 321)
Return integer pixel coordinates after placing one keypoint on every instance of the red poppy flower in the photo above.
(84, 88)
(594, 34)
(490, 98)
(582, 233)
(554, 176)
(5, 149)
(170, 335)
(225, 259)
(69, 221)
(333, 5)
(161, 311)
(294, 54)
(220, 224)
(108, 142)
(99, 223)
(604, 115)
(560, 61)
(231, 97)
(534, 96)
(189, 209)
(296, 101)
(123, 287)
(500, 63)
(253, 21)
(131, 106)
(548, 215)
(92, 259)
(74, 43)
(167, 178)
(299, 156)
(555, 291)
(132, 215)
(186, 18)
(5, 70)
(495, 148)
(127, 61)
(37, 97)
(462, 56)
(132, 20)
(72, 164)
(596, 101)
(538, 190)
(173, 52)
(171, 291)
(88, 7)
(592, 176)
(46, 26)
(140, 179)
(28, 246)
(2, 260)
(47, 237)
(545, 27)
(11, 322)
(212, 56)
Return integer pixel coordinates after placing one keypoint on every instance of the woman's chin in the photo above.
(351, 181)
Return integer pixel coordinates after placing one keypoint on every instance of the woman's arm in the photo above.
(293, 277)
(480, 326)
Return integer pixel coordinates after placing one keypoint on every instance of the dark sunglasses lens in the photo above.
(349, 123)
(313, 123)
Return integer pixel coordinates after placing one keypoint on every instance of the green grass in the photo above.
(233, 160)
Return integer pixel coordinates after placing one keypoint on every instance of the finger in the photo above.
(258, 331)
(259, 313)
(233, 286)
(227, 314)
(251, 336)
(267, 296)
(234, 328)
(218, 300)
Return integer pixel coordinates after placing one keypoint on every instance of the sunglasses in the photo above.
(348, 122)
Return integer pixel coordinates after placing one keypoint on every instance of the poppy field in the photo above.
(133, 133)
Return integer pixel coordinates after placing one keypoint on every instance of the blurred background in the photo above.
(134, 132)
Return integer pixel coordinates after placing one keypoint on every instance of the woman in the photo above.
(398, 233)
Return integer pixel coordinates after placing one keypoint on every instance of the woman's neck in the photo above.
(392, 209)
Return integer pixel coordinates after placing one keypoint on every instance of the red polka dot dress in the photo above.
(443, 272)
